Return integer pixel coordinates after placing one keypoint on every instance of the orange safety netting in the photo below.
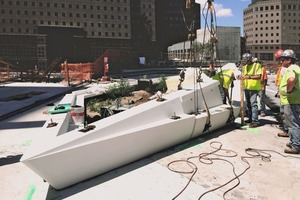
(117, 60)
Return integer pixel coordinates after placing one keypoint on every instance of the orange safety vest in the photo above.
(264, 77)
(278, 77)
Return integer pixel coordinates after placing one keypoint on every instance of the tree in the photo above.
(202, 51)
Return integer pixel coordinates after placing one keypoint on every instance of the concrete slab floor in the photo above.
(274, 177)
(268, 178)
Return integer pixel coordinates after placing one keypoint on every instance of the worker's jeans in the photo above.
(262, 95)
(251, 104)
(284, 126)
(291, 113)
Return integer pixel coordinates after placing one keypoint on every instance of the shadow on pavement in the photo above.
(10, 160)
(17, 125)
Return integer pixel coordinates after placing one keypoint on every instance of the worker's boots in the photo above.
(283, 134)
(291, 150)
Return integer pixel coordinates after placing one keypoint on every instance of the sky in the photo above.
(228, 12)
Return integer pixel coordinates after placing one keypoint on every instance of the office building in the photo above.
(270, 25)
(37, 32)
(227, 49)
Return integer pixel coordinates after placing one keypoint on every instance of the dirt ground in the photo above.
(137, 98)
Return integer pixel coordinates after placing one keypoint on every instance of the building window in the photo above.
(266, 56)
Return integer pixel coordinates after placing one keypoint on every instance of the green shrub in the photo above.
(120, 89)
(162, 85)
(96, 104)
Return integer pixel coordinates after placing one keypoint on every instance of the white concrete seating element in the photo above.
(68, 99)
(70, 157)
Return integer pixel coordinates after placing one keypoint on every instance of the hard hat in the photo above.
(247, 56)
(288, 53)
(278, 53)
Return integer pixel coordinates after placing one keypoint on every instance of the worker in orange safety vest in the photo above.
(280, 73)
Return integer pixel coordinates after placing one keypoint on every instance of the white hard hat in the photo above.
(288, 53)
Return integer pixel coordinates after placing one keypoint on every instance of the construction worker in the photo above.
(212, 70)
(289, 89)
(281, 70)
(181, 79)
(280, 73)
(251, 76)
(262, 93)
(226, 78)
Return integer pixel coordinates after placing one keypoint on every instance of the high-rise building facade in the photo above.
(36, 32)
(270, 25)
